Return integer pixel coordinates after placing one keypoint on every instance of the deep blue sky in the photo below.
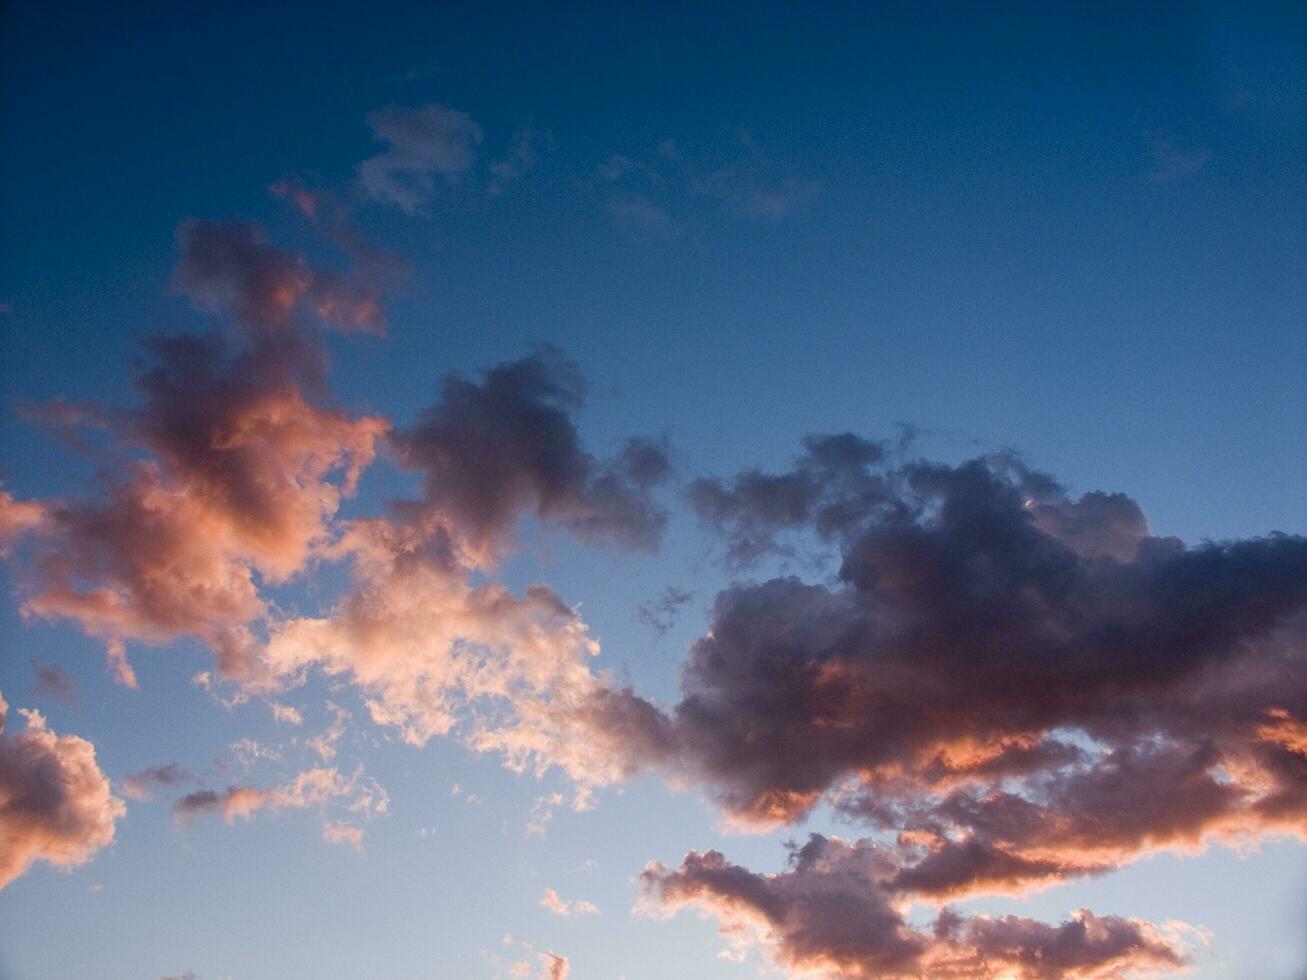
(1080, 233)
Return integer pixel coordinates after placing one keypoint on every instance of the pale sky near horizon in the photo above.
(415, 491)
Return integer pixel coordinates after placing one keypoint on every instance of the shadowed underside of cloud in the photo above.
(833, 913)
(55, 803)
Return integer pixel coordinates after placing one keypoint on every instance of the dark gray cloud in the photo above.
(493, 450)
(835, 484)
(1018, 687)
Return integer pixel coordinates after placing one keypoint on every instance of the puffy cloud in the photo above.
(1021, 687)
(227, 470)
(140, 785)
(55, 803)
(422, 143)
(421, 634)
(835, 912)
(493, 450)
(969, 613)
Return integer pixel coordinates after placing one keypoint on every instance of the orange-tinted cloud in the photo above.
(55, 803)
(228, 473)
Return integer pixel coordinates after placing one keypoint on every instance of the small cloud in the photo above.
(636, 211)
(563, 907)
(523, 154)
(140, 786)
(1172, 162)
(542, 811)
(424, 143)
(54, 684)
(660, 614)
(343, 833)
(751, 197)
(285, 714)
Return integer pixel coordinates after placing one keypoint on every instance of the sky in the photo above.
(651, 491)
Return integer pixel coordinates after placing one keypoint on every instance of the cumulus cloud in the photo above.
(227, 472)
(833, 913)
(491, 451)
(55, 803)
(422, 143)
(1021, 687)
(418, 632)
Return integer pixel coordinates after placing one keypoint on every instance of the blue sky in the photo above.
(1076, 235)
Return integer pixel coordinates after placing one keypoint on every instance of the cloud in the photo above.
(969, 614)
(564, 907)
(638, 213)
(1171, 162)
(650, 196)
(748, 195)
(312, 787)
(229, 268)
(55, 803)
(835, 484)
(1023, 687)
(343, 833)
(285, 714)
(228, 469)
(491, 451)
(18, 518)
(833, 914)
(54, 683)
(423, 631)
(140, 785)
(660, 614)
(422, 143)
(555, 967)
(523, 154)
